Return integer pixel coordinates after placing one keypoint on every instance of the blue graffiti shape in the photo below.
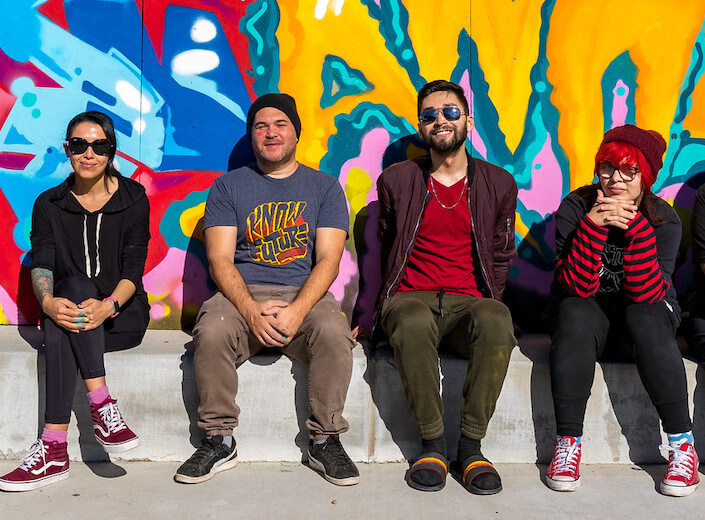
(345, 144)
(393, 20)
(622, 69)
(340, 80)
(260, 26)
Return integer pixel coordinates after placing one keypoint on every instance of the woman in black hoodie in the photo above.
(89, 246)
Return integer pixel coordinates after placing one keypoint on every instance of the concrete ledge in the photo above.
(155, 386)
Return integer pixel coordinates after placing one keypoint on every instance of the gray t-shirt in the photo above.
(276, 220)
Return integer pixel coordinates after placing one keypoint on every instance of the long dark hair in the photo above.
(102, 120)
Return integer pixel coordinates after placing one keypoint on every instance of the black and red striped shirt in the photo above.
(648, 254)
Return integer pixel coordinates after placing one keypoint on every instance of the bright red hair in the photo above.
(620, 153)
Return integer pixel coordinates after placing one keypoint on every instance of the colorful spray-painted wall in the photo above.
(545, 79)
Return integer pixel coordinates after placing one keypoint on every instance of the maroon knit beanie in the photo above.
(649, 142)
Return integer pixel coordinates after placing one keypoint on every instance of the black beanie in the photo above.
(283, 102)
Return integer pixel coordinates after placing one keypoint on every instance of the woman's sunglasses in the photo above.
(78, 146)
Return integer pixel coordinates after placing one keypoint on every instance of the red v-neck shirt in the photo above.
(442, 254)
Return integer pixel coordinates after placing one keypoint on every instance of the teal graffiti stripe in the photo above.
(349, 80)
(250, 25)
(393, 20)
(680, 162)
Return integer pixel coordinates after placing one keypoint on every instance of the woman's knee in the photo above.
(649, 323)
(76, 287)
(579, 318)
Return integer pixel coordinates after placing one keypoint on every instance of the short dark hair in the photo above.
(441, 85)
(106, 123)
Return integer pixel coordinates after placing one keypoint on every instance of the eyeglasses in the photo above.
(626, 173)
(78, 146)
(450, 112)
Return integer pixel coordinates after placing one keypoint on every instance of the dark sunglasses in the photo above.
(450, 112)
(77, 146)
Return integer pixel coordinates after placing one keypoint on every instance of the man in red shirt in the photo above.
(447, 228)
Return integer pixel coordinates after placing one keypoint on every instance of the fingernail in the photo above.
(80, 319)
(81, 325)
(82, 314)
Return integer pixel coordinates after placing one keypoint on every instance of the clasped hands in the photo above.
(273, 322)
(87, 315)
(612, 211)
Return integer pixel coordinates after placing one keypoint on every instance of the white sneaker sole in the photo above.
(35, 484)
(119, 448)
(221, 465)
(348, 481)
(677, 491)
(563, 485)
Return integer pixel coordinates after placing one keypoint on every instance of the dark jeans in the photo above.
(67, 352)
(586, 330)
(479, 329)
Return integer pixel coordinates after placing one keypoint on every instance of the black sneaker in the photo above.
(210, 458)
(330, 458)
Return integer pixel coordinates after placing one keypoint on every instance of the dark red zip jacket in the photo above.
(492, 197)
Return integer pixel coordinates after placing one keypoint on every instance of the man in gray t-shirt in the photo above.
(275, 232)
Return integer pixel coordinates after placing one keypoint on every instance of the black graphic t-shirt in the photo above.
(612, 269)
(276, 220)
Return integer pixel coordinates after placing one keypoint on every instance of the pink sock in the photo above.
(99, 395)
(54, 436)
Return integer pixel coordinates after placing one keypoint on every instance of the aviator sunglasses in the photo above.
(450, 112)
(77, 146)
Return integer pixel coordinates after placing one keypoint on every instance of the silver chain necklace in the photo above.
(462, 192)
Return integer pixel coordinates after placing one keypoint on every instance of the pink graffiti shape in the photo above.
(544, 195)
(475, 138)
(9, 307)
(686, 196)
(156, 311)
(348, 269)
(166, 276)
(372, 149)
(619, 104)
(15, 161)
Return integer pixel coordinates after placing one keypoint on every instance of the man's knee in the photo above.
(214, 332)
(408, 316)
(492, 318)
(328, 328)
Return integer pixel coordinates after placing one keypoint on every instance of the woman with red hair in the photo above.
(616, 245)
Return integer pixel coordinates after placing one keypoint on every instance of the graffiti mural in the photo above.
(544, 79)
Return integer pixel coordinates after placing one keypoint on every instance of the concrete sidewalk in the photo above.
(145, 490)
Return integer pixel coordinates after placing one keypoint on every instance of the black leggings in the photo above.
(644, 333)
(66, 352)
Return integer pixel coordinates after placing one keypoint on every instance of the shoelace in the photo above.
(204, 449)
(110, 415)
(36, 451)
(681, 463)
(565, 459)
(335, 449)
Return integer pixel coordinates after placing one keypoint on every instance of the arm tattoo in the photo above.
(42, 282)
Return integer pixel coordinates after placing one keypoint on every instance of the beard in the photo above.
(274, 160)
(449, 145)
